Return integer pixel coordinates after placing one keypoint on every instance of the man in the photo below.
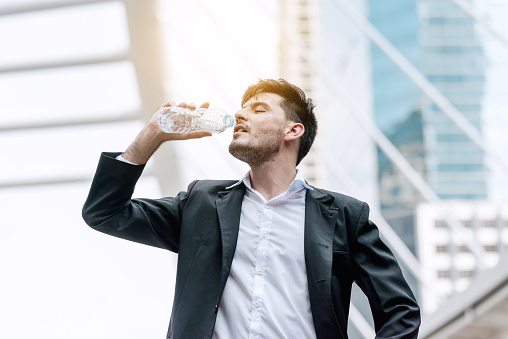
(267, 256)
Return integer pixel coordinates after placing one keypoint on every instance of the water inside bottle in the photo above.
(176, 121)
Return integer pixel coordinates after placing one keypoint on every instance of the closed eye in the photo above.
(259, 107)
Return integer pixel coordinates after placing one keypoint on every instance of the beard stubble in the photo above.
(257, 152)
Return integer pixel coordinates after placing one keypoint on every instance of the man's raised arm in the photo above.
(110, 208)
(152, 137)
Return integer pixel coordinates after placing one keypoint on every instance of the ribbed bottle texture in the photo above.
(183, 120)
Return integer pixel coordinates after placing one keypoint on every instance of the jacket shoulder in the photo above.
(213, 185)
(341, 200)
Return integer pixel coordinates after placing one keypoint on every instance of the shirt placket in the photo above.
(257, 306)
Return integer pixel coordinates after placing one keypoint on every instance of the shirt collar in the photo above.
(298, 183)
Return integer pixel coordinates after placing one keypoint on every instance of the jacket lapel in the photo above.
(229, 207)
(320, 219)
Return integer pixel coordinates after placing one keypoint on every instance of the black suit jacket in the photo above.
(341, 246)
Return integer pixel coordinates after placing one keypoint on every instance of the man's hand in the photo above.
(151, 137)
(178, 136)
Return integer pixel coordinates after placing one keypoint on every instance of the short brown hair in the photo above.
(297, 107)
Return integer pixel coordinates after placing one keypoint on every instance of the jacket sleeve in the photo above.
(394, 308)
(110, 209)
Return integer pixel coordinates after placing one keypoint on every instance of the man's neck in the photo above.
(272, 178)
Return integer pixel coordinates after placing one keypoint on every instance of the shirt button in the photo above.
(268, 206)
(259, 272)
(256, 305)
(265, 234)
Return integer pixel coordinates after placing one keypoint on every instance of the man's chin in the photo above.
(243, 151)
(240, 143)
(253, 156)
(238, 150)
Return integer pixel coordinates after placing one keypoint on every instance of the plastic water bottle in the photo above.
(183, 120)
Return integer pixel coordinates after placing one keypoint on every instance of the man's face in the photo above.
(258, 133)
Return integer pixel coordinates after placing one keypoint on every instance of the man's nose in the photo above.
(240, 115)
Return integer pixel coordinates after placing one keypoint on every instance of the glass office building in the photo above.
(440, 40)
(455, 63)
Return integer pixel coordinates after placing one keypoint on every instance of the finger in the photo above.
(170, 103)
(205, 104)
(183, 104)
(198, 134)
(192, 106)
(189, 135)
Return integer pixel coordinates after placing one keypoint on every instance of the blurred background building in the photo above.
(413, 118)
(441, 40)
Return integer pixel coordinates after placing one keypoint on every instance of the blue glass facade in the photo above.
(395, 95)
(440, 40)
(455, 64)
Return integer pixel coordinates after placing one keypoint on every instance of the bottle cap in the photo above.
(229, 120)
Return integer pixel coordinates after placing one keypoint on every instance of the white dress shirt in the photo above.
(266, 294)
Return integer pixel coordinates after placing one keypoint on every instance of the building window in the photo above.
(488, 223)
(467, 223)
(490, 248)
(463, 249)
(439, 224)
(442, 249)
(466, 274)
(443, 274)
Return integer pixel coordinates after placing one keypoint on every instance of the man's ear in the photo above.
(294, 130)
